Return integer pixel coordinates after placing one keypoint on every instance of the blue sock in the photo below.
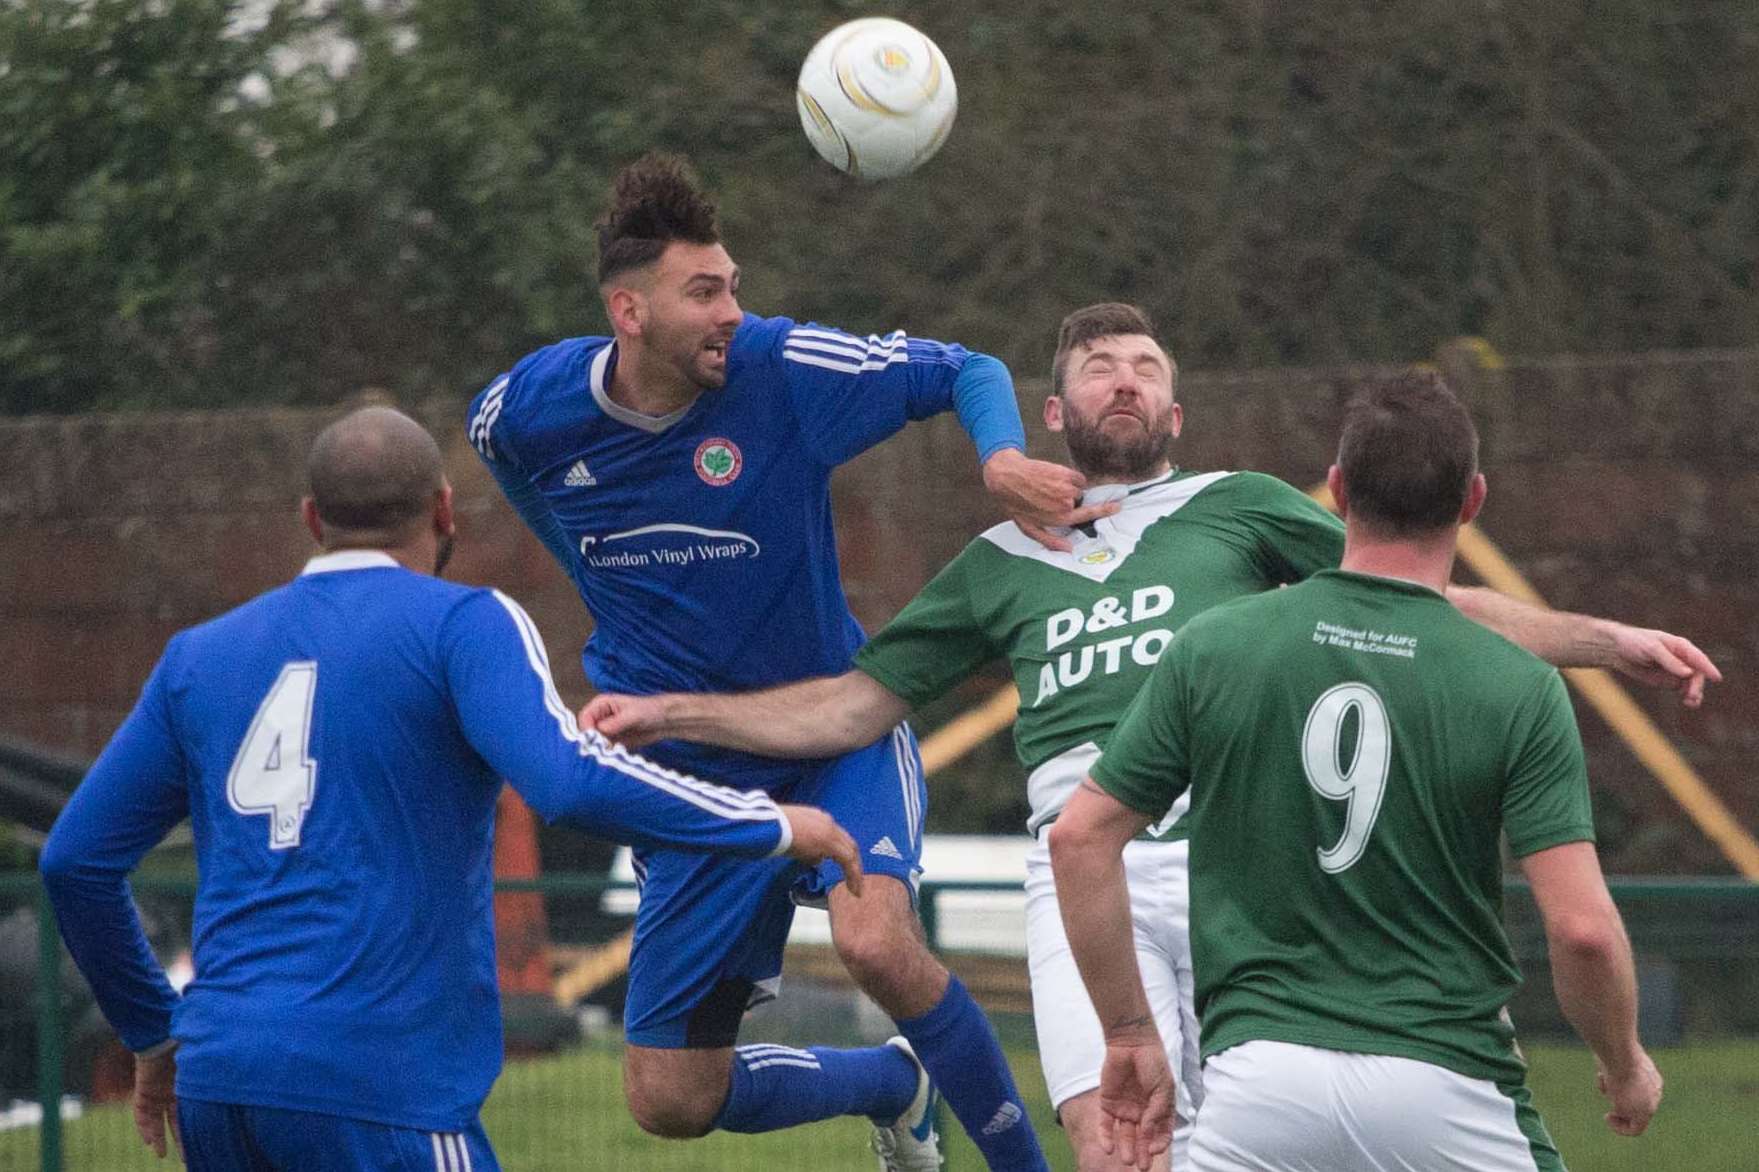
(955, 1043)
(778, 1086)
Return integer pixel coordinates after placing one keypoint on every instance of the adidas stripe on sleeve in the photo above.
(511, 713)
(521, 493)
(484, 412)
(451, 1152)
(850, 392)
(834, 350)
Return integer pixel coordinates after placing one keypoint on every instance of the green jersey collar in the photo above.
(1403, 585)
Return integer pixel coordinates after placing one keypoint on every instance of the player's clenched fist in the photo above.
(629, 720)
(817, 837)
(1634, 1095)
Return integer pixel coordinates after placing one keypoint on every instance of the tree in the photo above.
(205, 202)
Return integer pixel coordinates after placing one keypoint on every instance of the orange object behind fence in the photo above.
(522, 931)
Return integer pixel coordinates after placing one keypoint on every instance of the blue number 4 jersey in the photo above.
(338, 745)
(701, 541)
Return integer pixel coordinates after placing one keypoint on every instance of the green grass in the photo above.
(558, 1140)
(566, 1114)
(1707, 1121)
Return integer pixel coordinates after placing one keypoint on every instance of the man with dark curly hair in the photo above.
(679, 471)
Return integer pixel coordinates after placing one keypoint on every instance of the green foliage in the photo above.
(206, 202)
(14, 855)
(118, 135)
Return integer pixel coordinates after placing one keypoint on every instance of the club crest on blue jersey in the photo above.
(718, 461)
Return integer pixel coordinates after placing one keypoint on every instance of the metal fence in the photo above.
(558, 1104)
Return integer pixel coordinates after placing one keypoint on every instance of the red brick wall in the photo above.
(1619, 486)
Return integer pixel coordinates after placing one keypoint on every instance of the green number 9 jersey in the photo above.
(1354, 749)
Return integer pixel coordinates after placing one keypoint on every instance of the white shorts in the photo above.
(1070, 1043)
(1278, 1107)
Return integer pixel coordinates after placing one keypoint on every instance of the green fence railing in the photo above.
(1698, 941)
(49, 1031)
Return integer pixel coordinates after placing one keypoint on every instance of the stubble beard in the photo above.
(694, 368)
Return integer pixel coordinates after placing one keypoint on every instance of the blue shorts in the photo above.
(229, 1137)
(710, 929)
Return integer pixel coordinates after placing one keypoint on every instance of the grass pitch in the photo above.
(565, 1114)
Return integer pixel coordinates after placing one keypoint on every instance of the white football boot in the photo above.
(910, 1144)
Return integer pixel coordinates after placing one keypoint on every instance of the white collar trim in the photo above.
(350, 559)
(1114, 538)
(601, 395)
(1103, 493)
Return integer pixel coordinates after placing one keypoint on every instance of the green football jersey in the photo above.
(1354, 747)
(1083, 629)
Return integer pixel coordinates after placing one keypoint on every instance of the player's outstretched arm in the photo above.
(1087, 861)
(1563, 639)
(1659, 659)
(1594, 976)
(815, 837)
(850, 394)
(507, 707)
(813, 718)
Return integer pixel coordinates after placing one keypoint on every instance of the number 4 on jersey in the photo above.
(273, 772)
(1348, 769)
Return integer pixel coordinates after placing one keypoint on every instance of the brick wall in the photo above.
(1623, 486)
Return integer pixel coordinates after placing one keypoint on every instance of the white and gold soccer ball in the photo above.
(876, 98)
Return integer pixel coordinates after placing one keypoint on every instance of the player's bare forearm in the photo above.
(1595, 980)
(1657, 658)
(1559, 637)
(1591, 963)
(1597, 989)
(812, 718)
(1087, 861)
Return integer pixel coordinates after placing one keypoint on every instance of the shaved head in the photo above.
(373, 475)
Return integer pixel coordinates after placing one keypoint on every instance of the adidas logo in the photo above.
(1006, 1116)
(884, 847)
(578, 476)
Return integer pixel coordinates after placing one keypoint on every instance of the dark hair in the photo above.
(373, 473)
(1408, 454)
(1108, 319)
(654, 201)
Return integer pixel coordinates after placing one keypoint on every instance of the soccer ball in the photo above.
(876, 98)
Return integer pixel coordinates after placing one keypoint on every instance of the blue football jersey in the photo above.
(338, 745)
(701, 542)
